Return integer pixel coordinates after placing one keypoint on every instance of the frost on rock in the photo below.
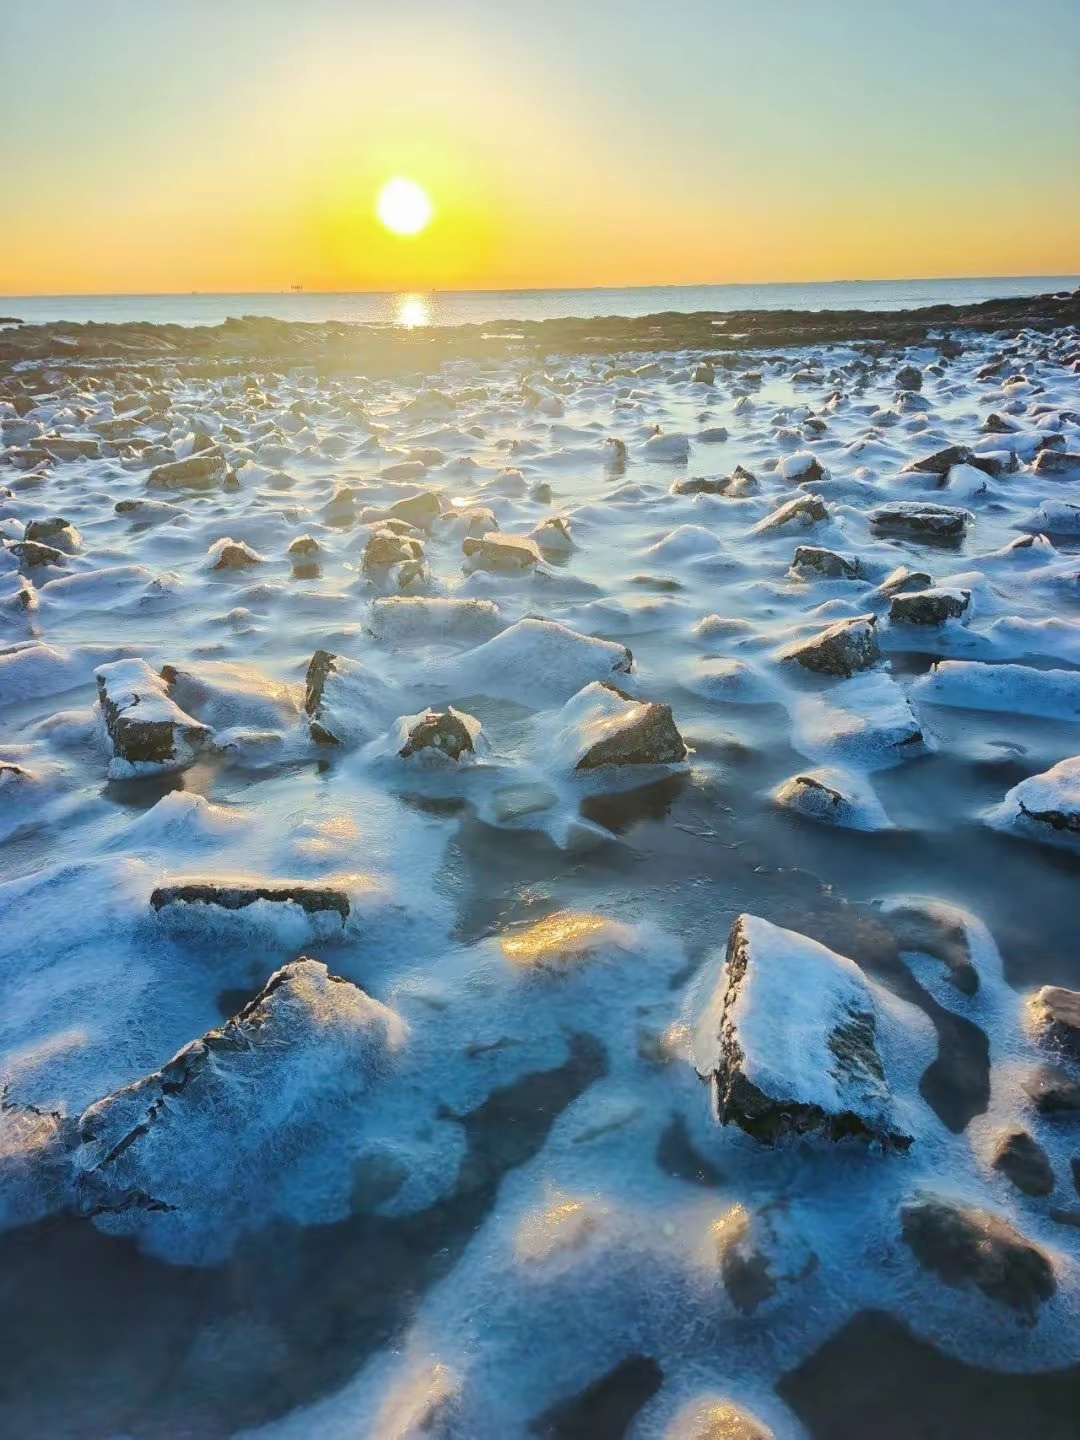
(929, 607)
(539, 659)
(1046, 805)
(789, 1041)
(865, 721)
(433, 736)
(203, 471)
(239, 894)
(842, 649)
(194, 1146)
(417, 620)
(833, 796)
(602, 725)
(146, 728)
(801, 513)
(221, 694)
(342, 699)
(916, 520)
(816, 560)
(509, 554)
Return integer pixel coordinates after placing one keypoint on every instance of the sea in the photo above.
(460, 307)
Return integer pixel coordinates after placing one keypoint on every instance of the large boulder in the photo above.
(789, 1042)
(963, 1245)
(842, 649)
(146, 728)
(602, 725)
(193, 1149)
(929, 607)
(941, 461)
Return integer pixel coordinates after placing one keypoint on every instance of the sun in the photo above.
(403, 206)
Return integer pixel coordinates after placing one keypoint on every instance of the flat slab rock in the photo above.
(202, 471)
(789, 1042)
(144, 724)
(602, 725)
(211, 1126)
(312, 899)
(918, 520)
(967, 1246)
(842, 649)
(929, 607)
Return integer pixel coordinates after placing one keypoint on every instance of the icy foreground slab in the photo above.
(194, 1145)
(790, 1042)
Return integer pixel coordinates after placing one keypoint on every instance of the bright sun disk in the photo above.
(403, 206)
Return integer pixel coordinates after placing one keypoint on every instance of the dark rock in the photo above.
(32, 555)
(995, 424)
(942, 461)
(842, 649)
(929, 607)
(824, 562)
(311, 898)
(70, 447)
(920, 520)
(1025, 1163)
(644, 734)
(339, 696)
(234, 555)
(964, 1245)
(1053, 1091)
(713, 435)
(902, 581)
(804, 511)
(1056, 462)
(443, 730)
(908, 377)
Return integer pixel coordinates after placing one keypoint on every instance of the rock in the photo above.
(1055, 1013)
(865, 722)
(929, 607)
(995, 424)
(908, 377)
(756, 1259)
(445, 734)
(715, 1418)
(563, 939)
(55, 531)
(1056, 462)
(834, 797)
(735, 486)
(942, 461)
(713, 435)
(538, 662)
(966, 1246)
(671, 448)
(421, 511)
(902, 581)
(386, 549)
(304, 545)
(815, 559)
(191, 1149)
(312, 899)
(802, 468)
(789, 1042)
(920, 520)
(938, 929)
(1024, 1162)
(804, 511)
(1052, 1090)
(704, 374)
(145, 726)
(1075, 1167)
(341, 699)
(224, 694)
(1046, 804)
(32, 555)
(509, 554)
(70, 447)
(233, 555)
(203, 471)
(552, 537)
(602, 725)
(404, 619)
(841, 649)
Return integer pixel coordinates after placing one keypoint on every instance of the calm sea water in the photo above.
(456, 307)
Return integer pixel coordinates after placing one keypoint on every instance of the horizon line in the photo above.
(530, 289)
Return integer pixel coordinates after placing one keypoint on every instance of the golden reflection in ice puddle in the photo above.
(411, 311)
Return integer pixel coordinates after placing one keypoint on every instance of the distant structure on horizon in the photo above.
(296, 288)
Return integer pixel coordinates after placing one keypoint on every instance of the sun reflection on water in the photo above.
(411, 311)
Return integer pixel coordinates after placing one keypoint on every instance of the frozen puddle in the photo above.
(540, 900)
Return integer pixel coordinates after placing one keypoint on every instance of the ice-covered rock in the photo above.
(146, 728)
(715, 1418)
(220, 693)
(942, 461)
(977, 685)
(602, 725)
(538, 660)
(1024, 1162)
(240, 894)
(816, 560)
(801, 513)
(229, 554)
(191, 1151)
(1054, 517)
(841, 649)
(508, 554)
(918, 520)
(393, 559)
(801, 468)
(1055, 1016)
(1044, 806)
(833, 796)
(203, 471)
(789, 1042)
(54, 531)
(670, 448)
(552, 537)
(434, 736)
(929, 607)
(866, 721)
(342, 699)
(419, 620)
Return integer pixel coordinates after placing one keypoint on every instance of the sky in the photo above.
(230, 145)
